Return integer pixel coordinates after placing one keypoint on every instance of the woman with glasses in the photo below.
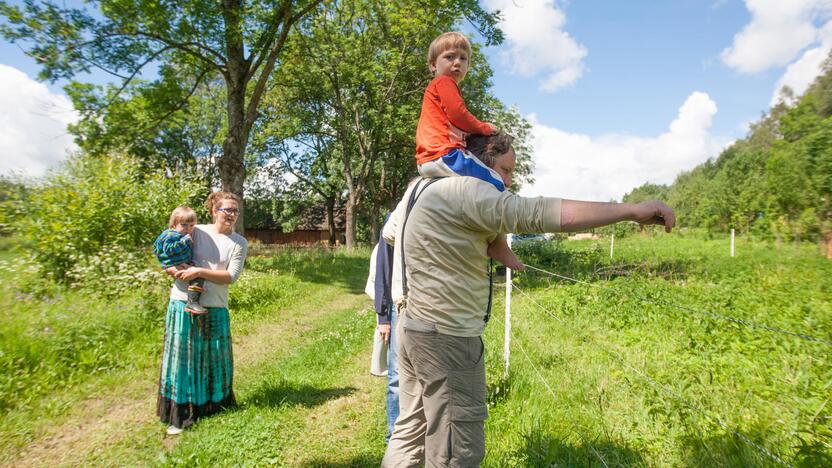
(197, 365)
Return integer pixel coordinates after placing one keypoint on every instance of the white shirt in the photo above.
(214, 251)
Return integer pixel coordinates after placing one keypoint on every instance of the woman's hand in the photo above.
(188, 274)
(172, 270)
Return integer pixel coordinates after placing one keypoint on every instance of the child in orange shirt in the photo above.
(444, 122)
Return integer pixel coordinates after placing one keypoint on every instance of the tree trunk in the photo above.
(374, 225)
(350, 220)
(231, 164)
(330, 220)
(826, 241)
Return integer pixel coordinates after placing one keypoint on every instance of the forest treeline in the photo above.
(776, 183)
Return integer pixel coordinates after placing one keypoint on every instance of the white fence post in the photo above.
(507, 339)
(732, 242)
(612, 243)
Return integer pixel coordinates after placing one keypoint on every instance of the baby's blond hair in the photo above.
(181, 213)
(445, 41)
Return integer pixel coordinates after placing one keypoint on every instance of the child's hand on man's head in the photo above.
(494, 129)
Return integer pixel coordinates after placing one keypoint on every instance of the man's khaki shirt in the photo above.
(447, 235)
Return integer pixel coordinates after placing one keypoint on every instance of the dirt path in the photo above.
(105, 420)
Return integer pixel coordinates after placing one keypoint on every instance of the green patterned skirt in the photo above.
(197, 365)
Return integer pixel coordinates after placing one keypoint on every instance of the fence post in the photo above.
(612, 243)
(507, 339)
(732, 242)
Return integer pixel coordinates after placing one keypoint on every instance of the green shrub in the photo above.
(94, 206)
(13, 193)
(115, 270)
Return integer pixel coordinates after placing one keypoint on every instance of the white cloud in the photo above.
(778, 31)
(800, 74)
(603, 168)
(536, 43)
(33, 122)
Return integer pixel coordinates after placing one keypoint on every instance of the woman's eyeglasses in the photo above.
(229, 211)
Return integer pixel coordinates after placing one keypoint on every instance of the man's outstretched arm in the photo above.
(576, 215)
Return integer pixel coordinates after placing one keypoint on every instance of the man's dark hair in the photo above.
(488, 148)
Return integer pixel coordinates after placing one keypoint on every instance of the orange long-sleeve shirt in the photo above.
(444, 121)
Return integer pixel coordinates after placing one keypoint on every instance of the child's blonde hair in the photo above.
(181, 213)
(445, 41)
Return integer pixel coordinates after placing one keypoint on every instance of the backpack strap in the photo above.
(414, 195)
(490, 290)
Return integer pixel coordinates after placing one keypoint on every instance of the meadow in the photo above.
(637, 364)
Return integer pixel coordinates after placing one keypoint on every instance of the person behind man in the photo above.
(382, 268)
(441, 288)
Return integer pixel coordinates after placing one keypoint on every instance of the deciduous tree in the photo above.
(189, 41)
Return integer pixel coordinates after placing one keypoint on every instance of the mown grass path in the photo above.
(120, 426)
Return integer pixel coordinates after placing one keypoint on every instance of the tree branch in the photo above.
(179, 106)
(257, 94)
(187, 48)
(261, 47)
(94, 64)
(305, 180)
(127, 80)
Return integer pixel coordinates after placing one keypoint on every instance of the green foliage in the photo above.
(13, 195)
(115, 270)
(647, 192)
(510, 121)
(96, 209)
(136, 120)
(56, 337)
(188, 43)
(338, 113)
(354, 75)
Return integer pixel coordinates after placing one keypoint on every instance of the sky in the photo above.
(618, 93)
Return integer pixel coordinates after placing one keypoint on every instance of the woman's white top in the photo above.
(214, 251)
(370, 287)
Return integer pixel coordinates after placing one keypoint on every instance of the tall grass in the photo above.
(602, 372)
(55, 340)
(624, 367)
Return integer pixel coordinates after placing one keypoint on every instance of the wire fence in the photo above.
(545, 383)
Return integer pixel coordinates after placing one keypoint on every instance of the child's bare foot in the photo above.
(500, 251)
